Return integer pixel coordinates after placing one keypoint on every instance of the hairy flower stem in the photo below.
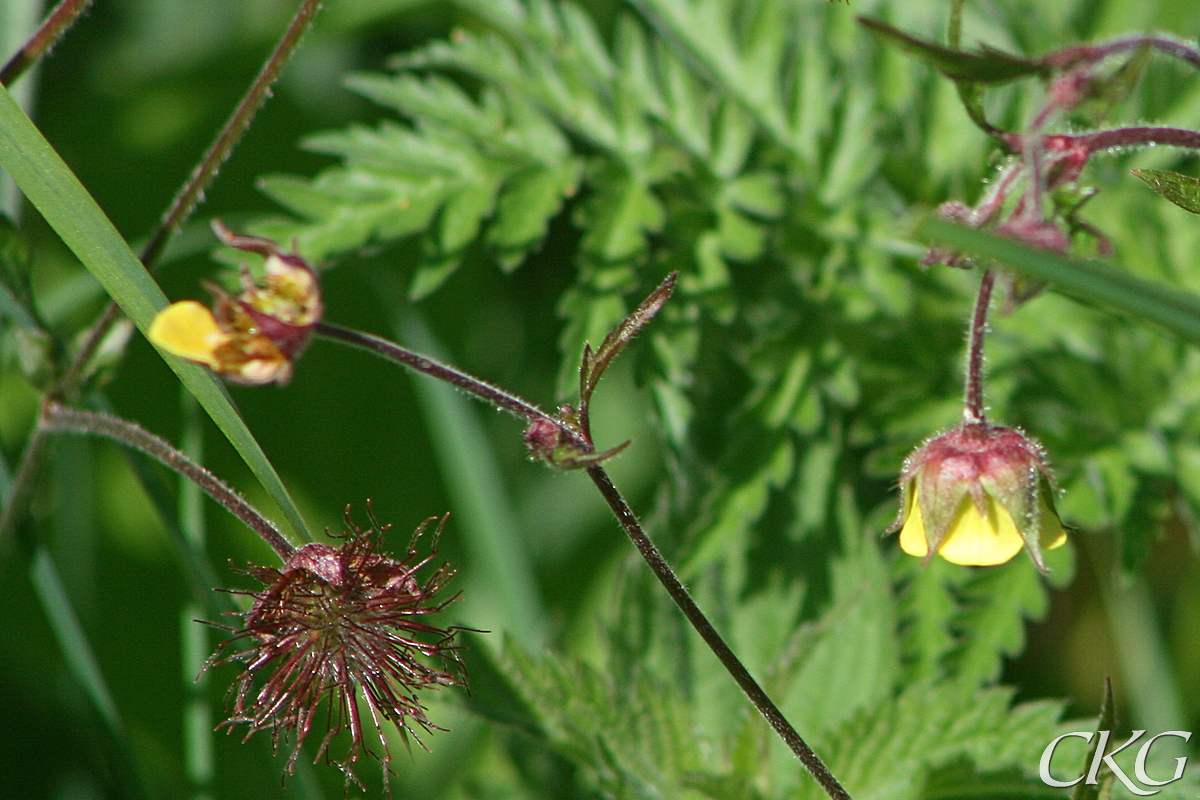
(973, 411)
(708, 633)
(485, 391)
(1065, 59)
(57, 23)
(181, 207)
(625, 516)
(56, 417)
(1089, 143)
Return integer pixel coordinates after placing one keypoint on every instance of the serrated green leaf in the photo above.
(465, 211)
(618, 218)
(74, 215)
(997, 603)
(890, 751)
(529, 201)
(986, 66)
(1182, 190)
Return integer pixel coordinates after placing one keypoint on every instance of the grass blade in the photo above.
(1176, 310)
(65, 203)
(473, 478)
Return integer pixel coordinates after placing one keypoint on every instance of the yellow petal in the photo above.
(978, 542)
(187, 329)
(1052, 532)
(912, 535)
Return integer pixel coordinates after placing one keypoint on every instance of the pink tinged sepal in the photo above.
(976, 496)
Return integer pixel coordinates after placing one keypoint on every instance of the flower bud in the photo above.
(976, 496)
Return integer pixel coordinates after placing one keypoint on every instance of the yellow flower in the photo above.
(979, 539)
(977, 496)
(254, 337)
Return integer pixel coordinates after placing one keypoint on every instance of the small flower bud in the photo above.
(976, 496)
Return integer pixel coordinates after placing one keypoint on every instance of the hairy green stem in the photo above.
(56, 24)
(56, 417)
(679, 593)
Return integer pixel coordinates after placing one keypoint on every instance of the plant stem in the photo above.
(489, 393)
(973, 411)
(181, 207)
(191, 192)
(1090, 143)
(625, 516)
(679, 593)
(1065, 59)
(202, 176)
(56, 417)
(56, 24)
(22, 486)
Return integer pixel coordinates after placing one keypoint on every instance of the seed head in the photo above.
(339, 625)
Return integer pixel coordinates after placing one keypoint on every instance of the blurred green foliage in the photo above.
(502, 181)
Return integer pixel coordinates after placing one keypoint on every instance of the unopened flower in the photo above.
(976, 496)
(339, 625)
(254, 336)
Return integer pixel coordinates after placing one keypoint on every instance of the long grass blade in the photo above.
(481, 502)
(1176, 310)
(65, 203)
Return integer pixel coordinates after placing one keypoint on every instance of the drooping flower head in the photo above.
(341, 628)
(976, 496)
(254, 336)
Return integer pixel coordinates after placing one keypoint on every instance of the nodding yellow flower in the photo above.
(977, 496)
(253, 337)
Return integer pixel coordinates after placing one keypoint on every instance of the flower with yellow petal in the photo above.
(252, 337)
(978, 495)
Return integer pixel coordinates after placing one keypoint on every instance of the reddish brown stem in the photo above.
(57, 23)
(60, 418)
(679, 593)
(973, 410)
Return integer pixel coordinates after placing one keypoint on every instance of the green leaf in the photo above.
(528, 202)
(618, 217)
(890, 751)
(991, 624)
(74, 215)
(985, 66)
(1182, 190)
(1175, 310)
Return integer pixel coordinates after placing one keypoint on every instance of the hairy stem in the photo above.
(181, 207)
(21, 491)
(56, 417)
(57, 23)
(1090, 143)
(489, 393)
(1065, 59)
(973, 411)
(708, 633)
